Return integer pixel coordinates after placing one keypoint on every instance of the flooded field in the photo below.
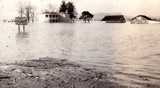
(129, 54)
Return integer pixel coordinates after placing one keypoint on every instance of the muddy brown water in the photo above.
(130, 54)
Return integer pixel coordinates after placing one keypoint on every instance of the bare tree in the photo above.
(27, 11)
(21, 11)
(30, 13)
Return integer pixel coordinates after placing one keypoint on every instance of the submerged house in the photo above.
(114, 19)
(54, 17)
(141, 19)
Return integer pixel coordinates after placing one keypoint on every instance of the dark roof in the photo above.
(113, 17)
(148, 18)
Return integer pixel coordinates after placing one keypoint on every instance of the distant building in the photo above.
(54, 17)
(114, 19)
(140, 19)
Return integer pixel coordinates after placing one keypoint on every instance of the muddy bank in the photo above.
(52, 73)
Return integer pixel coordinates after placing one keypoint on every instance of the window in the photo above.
(46, 15)
(50, 16)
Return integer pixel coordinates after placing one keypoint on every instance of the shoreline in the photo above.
(52, 73)
(57, 73)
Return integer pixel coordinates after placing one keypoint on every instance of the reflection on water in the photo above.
(130, 53)
(22, 35)
(66, 42)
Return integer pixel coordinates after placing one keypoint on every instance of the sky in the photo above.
(127, 7)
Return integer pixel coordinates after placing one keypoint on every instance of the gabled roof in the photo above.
(148, 18)
(113, 17)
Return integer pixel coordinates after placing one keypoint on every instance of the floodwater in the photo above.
(129, 53)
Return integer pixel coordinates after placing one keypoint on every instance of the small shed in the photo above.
(21, 21)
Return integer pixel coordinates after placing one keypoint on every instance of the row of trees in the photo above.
(69, 8)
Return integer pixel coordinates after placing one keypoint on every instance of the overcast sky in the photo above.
(128, 7)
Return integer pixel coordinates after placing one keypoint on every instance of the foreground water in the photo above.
(129, 53)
